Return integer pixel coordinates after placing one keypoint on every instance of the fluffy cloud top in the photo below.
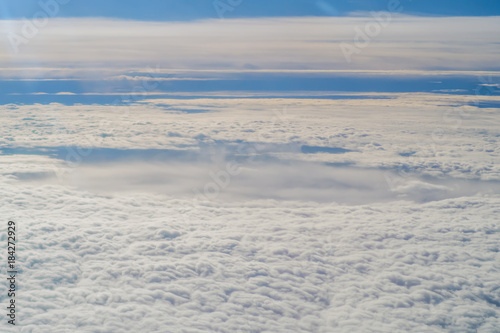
(433, 134)
(114, 246)
(140, 262)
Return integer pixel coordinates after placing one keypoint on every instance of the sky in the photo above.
(173, 10)
(251, 166)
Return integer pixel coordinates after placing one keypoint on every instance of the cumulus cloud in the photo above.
(386, 221)
(432, 134)
(149, 262)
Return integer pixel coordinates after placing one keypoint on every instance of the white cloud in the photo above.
(121, 246)
(137, 262)
(452, 43)
(428, 133)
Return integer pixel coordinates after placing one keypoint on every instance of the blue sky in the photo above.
(165, 10)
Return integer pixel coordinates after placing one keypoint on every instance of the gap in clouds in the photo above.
(265, 175)
(273, 85)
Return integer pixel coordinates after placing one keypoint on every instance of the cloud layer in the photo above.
(118, 263)
(361, 212)
(396, 43)
(429, 134)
